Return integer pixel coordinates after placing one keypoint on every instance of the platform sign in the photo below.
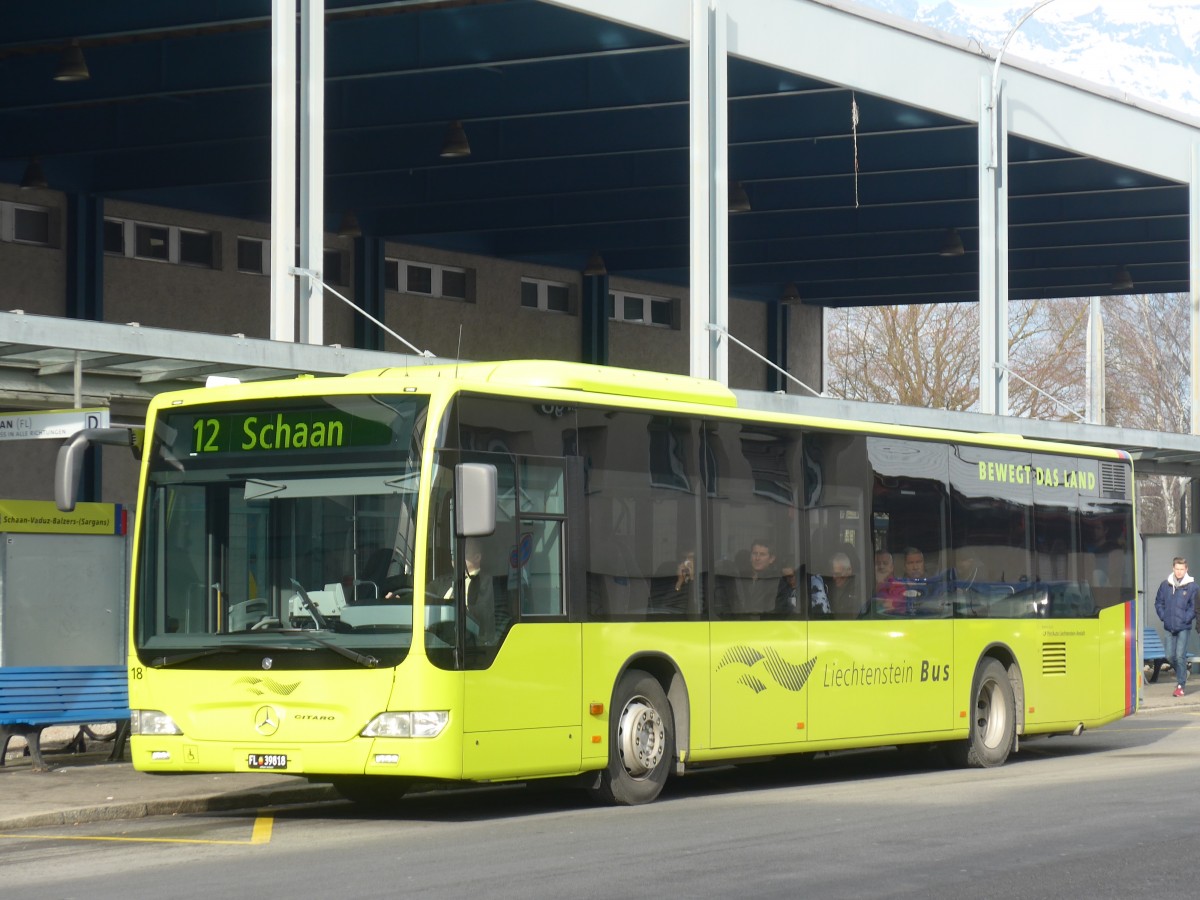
(49, 423)
(43, 517)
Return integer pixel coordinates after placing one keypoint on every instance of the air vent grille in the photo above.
(1054, 658)
(1114, 481)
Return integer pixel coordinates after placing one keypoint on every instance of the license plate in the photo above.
(267, 761)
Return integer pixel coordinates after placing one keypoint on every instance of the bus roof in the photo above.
(540, 373)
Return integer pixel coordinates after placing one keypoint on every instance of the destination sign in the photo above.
(264, 431)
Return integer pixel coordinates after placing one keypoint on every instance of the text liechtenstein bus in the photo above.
(517, 570)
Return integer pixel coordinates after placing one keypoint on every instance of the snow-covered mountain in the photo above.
(1144, 48)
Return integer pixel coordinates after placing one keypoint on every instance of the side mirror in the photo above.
(475, 501)
(69, 466)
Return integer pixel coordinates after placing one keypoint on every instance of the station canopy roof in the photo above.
(579, 143)
(854, 155)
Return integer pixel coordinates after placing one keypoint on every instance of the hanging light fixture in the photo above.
(952, 244)
(71, 65)
(34, 177)
(791, 294)
(349, 226)
(739, 200)
(455, 145)
(1122, 280)
(595, 265)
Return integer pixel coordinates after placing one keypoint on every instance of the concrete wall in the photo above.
(34, 278)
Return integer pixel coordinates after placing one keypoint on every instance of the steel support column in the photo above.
(85, 257)
(1194, 282)
(368, 291)
(283, 169)
(709, 291)
(993, 251)
(312, 168)
(594, 312)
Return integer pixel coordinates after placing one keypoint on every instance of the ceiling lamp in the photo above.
(1122, 280)
(595, 265)
(349, 227)
(34, 177)
(739, 201)
(791, 294)
(952, 244)
(71, 65)
(455, 145)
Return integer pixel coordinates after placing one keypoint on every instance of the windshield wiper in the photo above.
(163, 661)
(369, 662)
(364, 660)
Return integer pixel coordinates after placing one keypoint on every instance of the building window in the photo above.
(428, 279)
(333, 269)
(197, 248)
(643, 309)
(548, 296)
(162, 243)
(31, 225)
(252, 256)
(114, 236)
(152, 242)
(24, 224)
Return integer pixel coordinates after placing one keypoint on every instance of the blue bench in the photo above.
(1154, 654)
(36, 697)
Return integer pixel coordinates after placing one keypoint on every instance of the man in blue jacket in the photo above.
(1175, 604)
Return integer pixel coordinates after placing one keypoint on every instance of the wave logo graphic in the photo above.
(260, 686)
(787, 675)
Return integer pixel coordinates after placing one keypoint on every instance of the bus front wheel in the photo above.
(641, 741)
(993, 715)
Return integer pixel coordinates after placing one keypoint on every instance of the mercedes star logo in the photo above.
(267, 662)
(266, 720)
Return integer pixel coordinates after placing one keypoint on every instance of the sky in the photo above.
(1142, 48)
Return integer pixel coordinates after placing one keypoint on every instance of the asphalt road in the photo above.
(1113, 813)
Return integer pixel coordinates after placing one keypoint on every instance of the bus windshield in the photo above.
(275, 525)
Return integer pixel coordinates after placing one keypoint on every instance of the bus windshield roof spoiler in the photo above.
(69, 466)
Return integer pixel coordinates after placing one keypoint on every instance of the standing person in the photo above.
(1175, 604)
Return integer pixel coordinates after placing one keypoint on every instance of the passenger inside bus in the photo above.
(841, 587)
(889, 590)
(752, 585)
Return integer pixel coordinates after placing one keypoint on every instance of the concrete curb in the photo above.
(271, 796)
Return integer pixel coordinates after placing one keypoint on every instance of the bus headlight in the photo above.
(423, 724)
(152, 721)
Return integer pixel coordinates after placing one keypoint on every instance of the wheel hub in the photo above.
(641, 737)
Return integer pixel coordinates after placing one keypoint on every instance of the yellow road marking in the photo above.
(262, 830)
(261, 834)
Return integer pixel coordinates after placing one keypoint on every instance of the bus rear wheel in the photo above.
(641, 742)
(993, 718)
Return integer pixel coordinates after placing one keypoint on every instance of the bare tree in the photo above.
(920, 355)
(928, 355)
(1048, 350)
(1148, 365)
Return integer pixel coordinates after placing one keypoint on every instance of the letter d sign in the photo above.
(91, 420)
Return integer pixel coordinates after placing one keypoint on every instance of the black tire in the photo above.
(377, 792)
(993, 718)
(641, 741)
